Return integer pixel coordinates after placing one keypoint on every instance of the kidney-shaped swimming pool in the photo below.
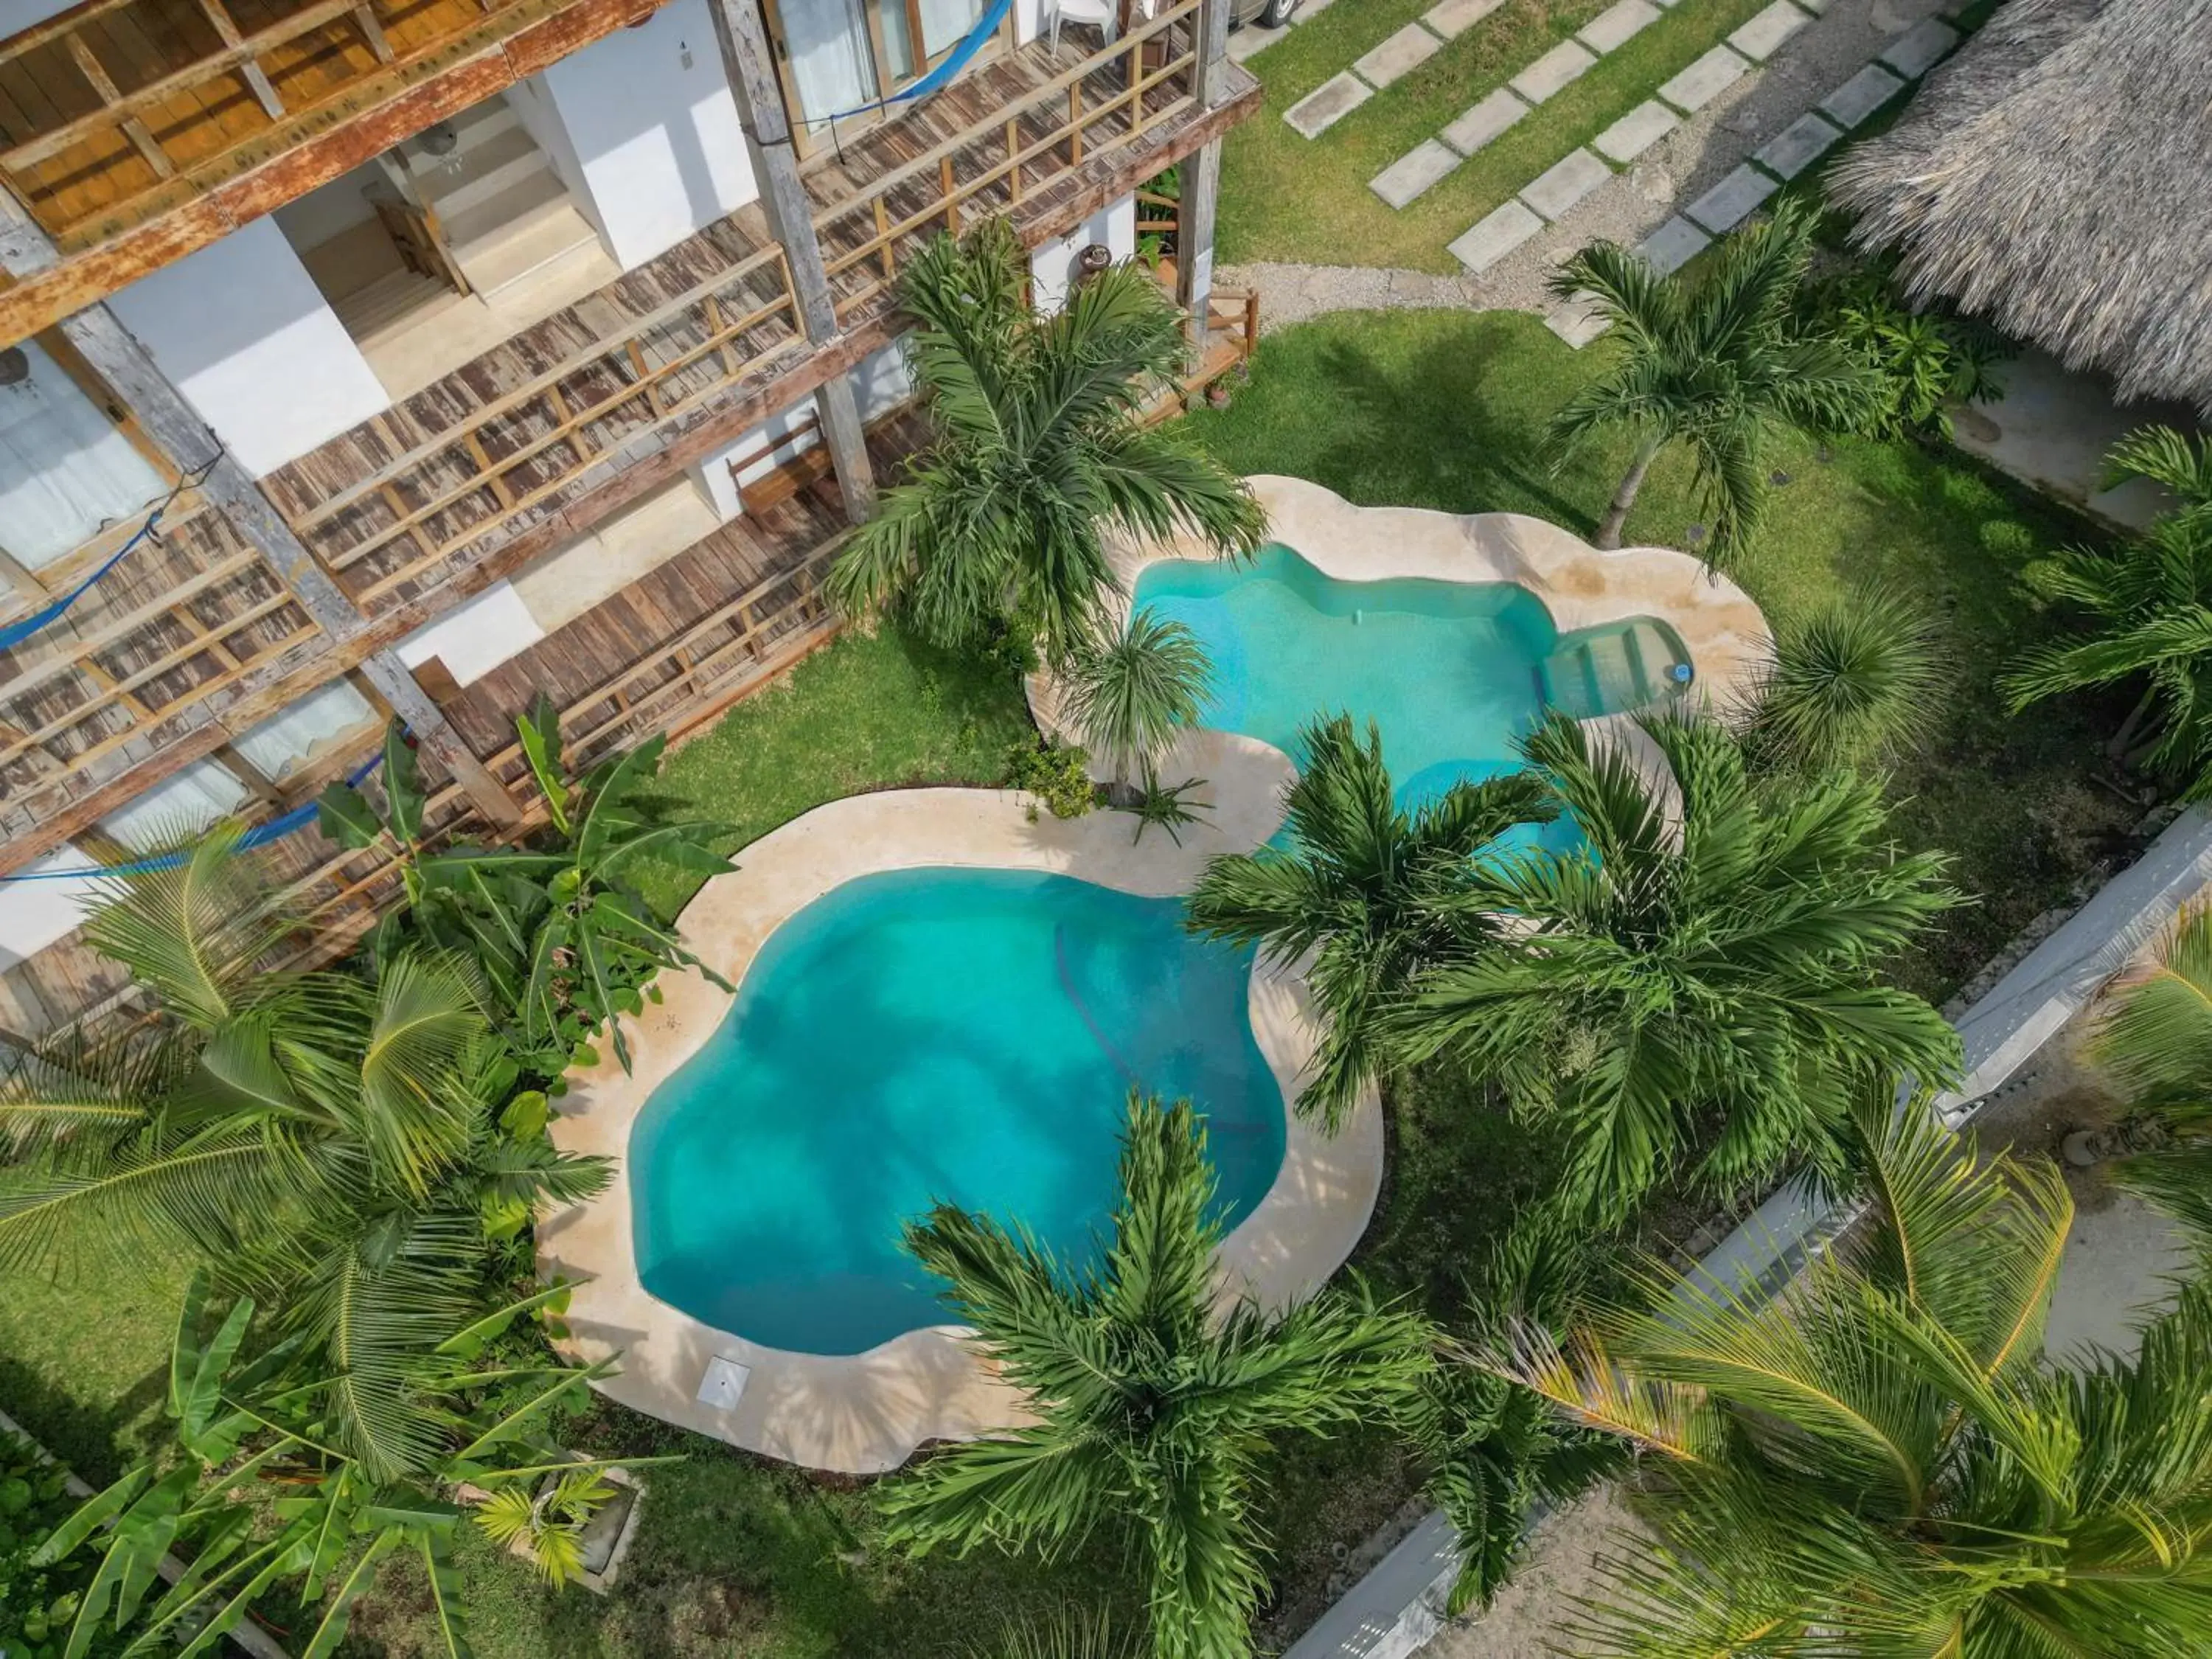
(968, 1036)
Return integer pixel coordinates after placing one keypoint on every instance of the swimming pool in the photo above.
(1451, 671)
(962, 1035)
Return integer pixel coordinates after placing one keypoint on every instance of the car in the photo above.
(1267, 14)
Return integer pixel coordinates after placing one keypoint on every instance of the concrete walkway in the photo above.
(1684, 169)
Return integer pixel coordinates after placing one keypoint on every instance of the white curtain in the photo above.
(944, 21)
(293, 734)
(830, 63)
(65, 470)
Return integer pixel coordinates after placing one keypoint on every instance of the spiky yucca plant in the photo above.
(1039, 452)
(1157, 1406)
(1851, 682)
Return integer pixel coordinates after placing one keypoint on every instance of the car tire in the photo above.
(1277, 12)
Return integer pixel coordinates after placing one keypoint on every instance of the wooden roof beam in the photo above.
(84, 277)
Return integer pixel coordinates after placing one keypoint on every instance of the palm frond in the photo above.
(193, 933)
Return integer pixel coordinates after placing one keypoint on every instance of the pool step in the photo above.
(1607, 671)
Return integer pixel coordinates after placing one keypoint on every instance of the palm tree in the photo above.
(2155, 1040)
(1130, 694)
(1360, 884)
(1157, 1407)
(1712, 363)
(1876, 1461)
(1851, 681)
(1700, 973)
(1040, 452)
(244, 1431)
(326, 1136)
(1492, 1450)
(2147, 605)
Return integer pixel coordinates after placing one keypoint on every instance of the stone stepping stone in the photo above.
(1635, 132)
(1762, 36)
(1414, 171)
(1562, 65)
(1409, 47)
(1617, 24)
(1729, 202)
(1456, 17)
(1797, 146)
(1673, 246)
(1495, 236)
(1327, 104)
(1559, 187)
(1704, 81)
(1577, 320)
(1478, 125)
(1860, 96)
(1919, 49)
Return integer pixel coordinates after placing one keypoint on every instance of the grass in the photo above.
(738, 1557)
(1447, 409)
(868, 712)
(1307, 200)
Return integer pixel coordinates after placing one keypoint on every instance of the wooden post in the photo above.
(175, 428)
(1201, 177)
(745, 61)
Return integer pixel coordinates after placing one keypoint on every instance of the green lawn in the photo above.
(740, 1557)
(1447, 409)
(1288, 197)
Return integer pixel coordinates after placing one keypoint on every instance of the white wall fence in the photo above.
(1399, 1606)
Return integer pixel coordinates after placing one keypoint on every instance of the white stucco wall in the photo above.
(241, 328)
(652, 129)
(880, 384)
(1053, 265)
(474, 638)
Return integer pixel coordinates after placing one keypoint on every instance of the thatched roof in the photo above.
(2055, 178)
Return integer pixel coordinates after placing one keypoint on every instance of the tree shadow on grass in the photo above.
(1443, 410)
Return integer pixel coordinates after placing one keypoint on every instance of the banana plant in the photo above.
(564, 935)
(254, 1441)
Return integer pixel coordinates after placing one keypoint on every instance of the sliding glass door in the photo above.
(840, 58)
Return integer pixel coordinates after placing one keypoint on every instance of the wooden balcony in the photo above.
(138, 130)
(529, 445)
(719, 621)
(524, 449)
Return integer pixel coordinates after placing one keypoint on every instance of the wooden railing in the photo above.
(117, 107)
(981, 170)
(92, 694)
(681, 355)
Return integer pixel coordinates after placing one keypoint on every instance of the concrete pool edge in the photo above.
(1581, 586)
(864, 1414)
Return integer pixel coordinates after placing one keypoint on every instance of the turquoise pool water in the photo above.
(968, 1036)
(1451, 671)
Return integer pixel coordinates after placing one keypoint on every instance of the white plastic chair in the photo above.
(1105, 16)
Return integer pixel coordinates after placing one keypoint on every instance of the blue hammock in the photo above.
(16, 632)
(942, 76)
(260, 836)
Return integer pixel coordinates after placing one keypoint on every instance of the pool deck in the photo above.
(864, 1414)
(869, 1413)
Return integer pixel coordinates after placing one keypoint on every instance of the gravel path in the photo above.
(1679, 169)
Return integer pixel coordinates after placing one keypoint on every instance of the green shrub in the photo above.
(1057, 774)
(1924, 361)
